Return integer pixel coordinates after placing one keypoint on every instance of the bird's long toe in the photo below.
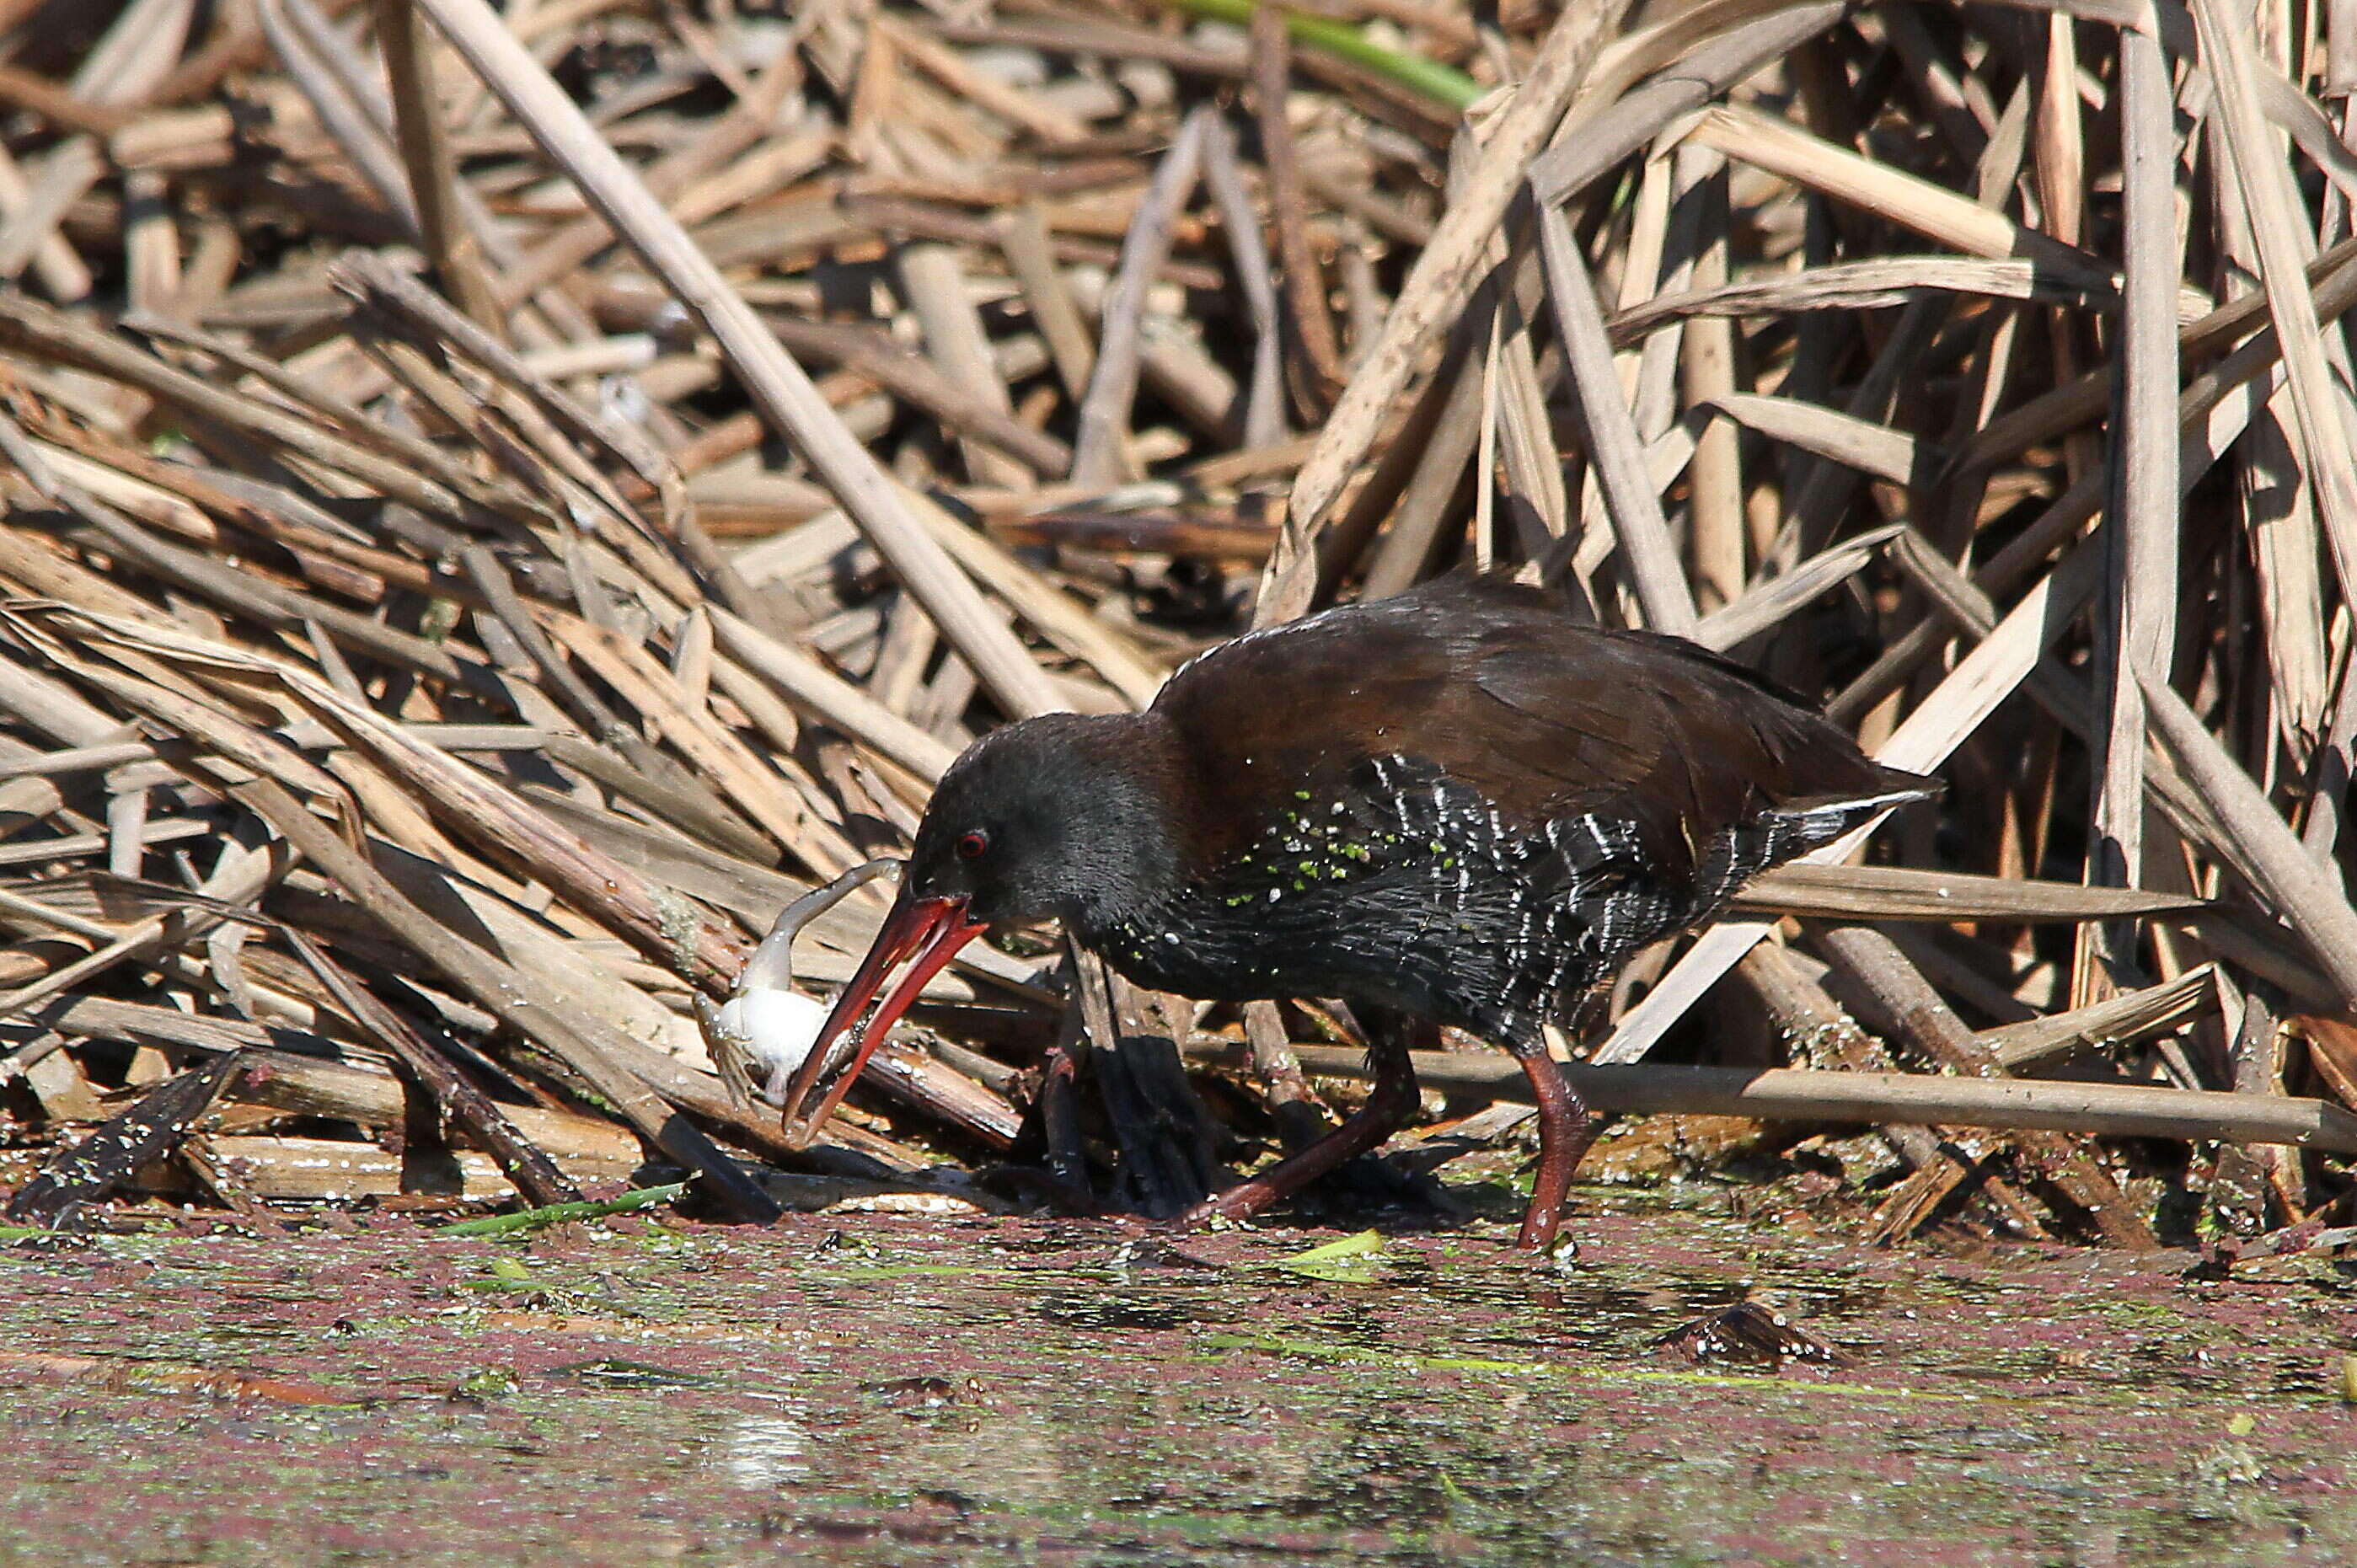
(1241, 1201)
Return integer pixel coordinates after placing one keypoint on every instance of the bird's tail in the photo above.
(1793, 828)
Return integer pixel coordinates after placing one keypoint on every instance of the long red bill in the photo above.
(930, 929)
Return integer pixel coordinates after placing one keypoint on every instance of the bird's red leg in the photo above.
(1565, 1129)
(1393, 1102)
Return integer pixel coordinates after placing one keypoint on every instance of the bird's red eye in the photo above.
(970, 845)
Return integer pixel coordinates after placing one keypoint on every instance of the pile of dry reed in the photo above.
(500, 503)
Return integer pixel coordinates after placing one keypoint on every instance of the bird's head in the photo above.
(1057, 815)
(1054, 816)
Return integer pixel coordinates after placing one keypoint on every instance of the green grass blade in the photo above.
(559, 1213)
(1431, 78)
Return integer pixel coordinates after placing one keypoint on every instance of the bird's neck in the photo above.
(1126, 797)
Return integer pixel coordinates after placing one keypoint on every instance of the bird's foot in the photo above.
(1542, 1236)
(1039, 1186)
(1361, 1186)
(1241, 1201)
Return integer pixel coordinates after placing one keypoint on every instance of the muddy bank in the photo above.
(896, 1390)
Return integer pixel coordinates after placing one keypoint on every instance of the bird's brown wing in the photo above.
(1641, 730)
(1546, 717)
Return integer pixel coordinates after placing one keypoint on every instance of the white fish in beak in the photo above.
(762, 1033)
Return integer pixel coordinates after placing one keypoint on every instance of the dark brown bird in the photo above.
(1455, 806)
